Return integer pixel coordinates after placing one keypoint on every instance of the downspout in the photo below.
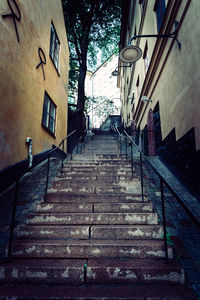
(30, 156)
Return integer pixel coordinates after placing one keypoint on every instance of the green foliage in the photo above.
(92, 26)
(101, 106)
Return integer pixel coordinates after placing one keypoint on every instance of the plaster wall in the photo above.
(175, 83)
(22, 86)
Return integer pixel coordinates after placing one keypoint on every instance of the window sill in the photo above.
(49, 131)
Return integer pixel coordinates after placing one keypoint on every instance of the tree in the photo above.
(91, 25)
(101, 106)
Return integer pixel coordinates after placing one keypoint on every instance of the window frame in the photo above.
(47, 116)
(146, 59)
(53, 53)
(159, 9)
(138, 86)
(142, 5)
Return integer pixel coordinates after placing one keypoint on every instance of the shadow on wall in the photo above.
(180, 156)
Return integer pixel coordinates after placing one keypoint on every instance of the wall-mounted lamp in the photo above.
(116, 72)
(131, 54)
(145, 99)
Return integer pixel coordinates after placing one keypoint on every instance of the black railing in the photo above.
(163, 183)
(48, 157)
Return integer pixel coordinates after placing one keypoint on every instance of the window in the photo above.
(54, 47)
(49, 114)
(146, 59)
(160, 12)
(142, 5)
(138, 86)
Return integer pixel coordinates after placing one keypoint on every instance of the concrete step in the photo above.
(89, 169)
(94, 207)
(96, 177)
(93, 271)
(143, 271)
(123, 207)
(54, 232)
(92, 218)
(95, 157)
(70, 207)
(90, 249)
(120, 172)
(98, 162)
(43, 271)
(96, 189)
(126, 232)
(103, 232)
(61, 292)
(55, 196)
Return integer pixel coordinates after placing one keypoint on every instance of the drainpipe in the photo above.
(30, 156)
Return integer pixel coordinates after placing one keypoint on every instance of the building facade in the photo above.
(102, 86)
(34, 59)
(161, 91)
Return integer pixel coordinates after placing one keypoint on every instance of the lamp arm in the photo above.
(169, 35)
(130, 65)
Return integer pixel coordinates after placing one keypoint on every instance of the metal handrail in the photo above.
(170, 188)
(119, 136)
(47, 155)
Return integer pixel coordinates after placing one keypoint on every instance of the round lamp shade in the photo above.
(130, 54)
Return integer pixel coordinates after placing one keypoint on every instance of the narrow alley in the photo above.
(93, 238)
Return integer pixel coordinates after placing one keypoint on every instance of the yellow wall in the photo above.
(174, 83)
(22, 86)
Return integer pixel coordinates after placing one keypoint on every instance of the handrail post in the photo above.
(141, 177)
(163, 217)
(131, 144)
(126, 147)
(12, 226)
(47, 181)
(120, 144)
(62, 155)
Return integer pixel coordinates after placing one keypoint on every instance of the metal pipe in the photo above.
(62, 156)
(126, 147)
(141, 177)
(131, 144)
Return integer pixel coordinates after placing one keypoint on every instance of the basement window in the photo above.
(54, 47)
(49, 114)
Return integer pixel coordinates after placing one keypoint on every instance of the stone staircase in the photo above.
(94, 238)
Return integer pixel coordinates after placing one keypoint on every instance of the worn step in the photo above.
(46, 271)
(127, 232)
(99, 178)
(54, 232)
(90, 249)
(136, 292)
(70, 207)
(94, 207)
(145, 271)
(116, 232)
(95, 189)
(93, 218)
(123, 207)
(55, 196)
